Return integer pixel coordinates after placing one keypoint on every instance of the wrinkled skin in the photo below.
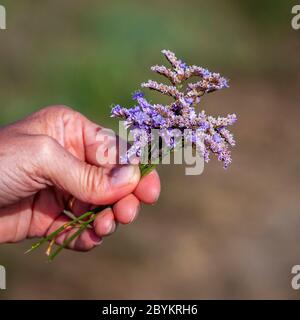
(50, 156)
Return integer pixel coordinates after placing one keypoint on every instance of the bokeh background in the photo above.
(224, 234)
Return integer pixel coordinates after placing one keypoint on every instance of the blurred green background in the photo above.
(224, 234)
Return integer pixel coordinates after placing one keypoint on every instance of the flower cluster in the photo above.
(208, 134)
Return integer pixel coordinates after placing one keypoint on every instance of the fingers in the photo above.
(86, 182)
(103, 147)
(105, 223)
(124, 211)
(85, 242)
(148, 189)
(127, 209)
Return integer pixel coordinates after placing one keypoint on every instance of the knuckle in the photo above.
(57, 108)
(45, 144)
(93, 183)
(43, 147)
(50, 114)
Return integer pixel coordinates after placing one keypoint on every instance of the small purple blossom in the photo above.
(120, 112)
(207, 133)
(204, 125)
(183, 65)
(189, 100)
(217, 138)
(158, 120)
(137, 95)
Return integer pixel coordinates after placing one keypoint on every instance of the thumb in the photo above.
(88, 183)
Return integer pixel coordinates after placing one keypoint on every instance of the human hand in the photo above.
(48, 158)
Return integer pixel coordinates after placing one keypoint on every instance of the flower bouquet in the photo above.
(158, 129)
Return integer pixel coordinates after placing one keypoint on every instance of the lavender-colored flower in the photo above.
(204, 125)
(120, 112)
(183, 65)
(137, 95)
(174, 61)
(168, 73)
(207, 133)
(217, 138)
(163, 88)
(189, 100)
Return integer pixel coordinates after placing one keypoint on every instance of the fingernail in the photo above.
(155, 200)
(155, 193)
(99, 242)
(156, 197)
(136, 214)
(124, 175)
(112, 227)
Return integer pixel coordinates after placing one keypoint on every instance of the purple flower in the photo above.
(217, 138)
(140, 117)
(207, 133)
(204, 125)
(119, 112)
(137, 95)
(183, 65)
(158, 121)
(189, 100)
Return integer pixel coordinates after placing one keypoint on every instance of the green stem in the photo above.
(61, 229)
(83, 227)
(147, 168)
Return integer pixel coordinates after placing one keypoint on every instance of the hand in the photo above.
(48, 158)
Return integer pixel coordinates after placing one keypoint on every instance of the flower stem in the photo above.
(147, 168)
(61, 229)
(72, 237)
